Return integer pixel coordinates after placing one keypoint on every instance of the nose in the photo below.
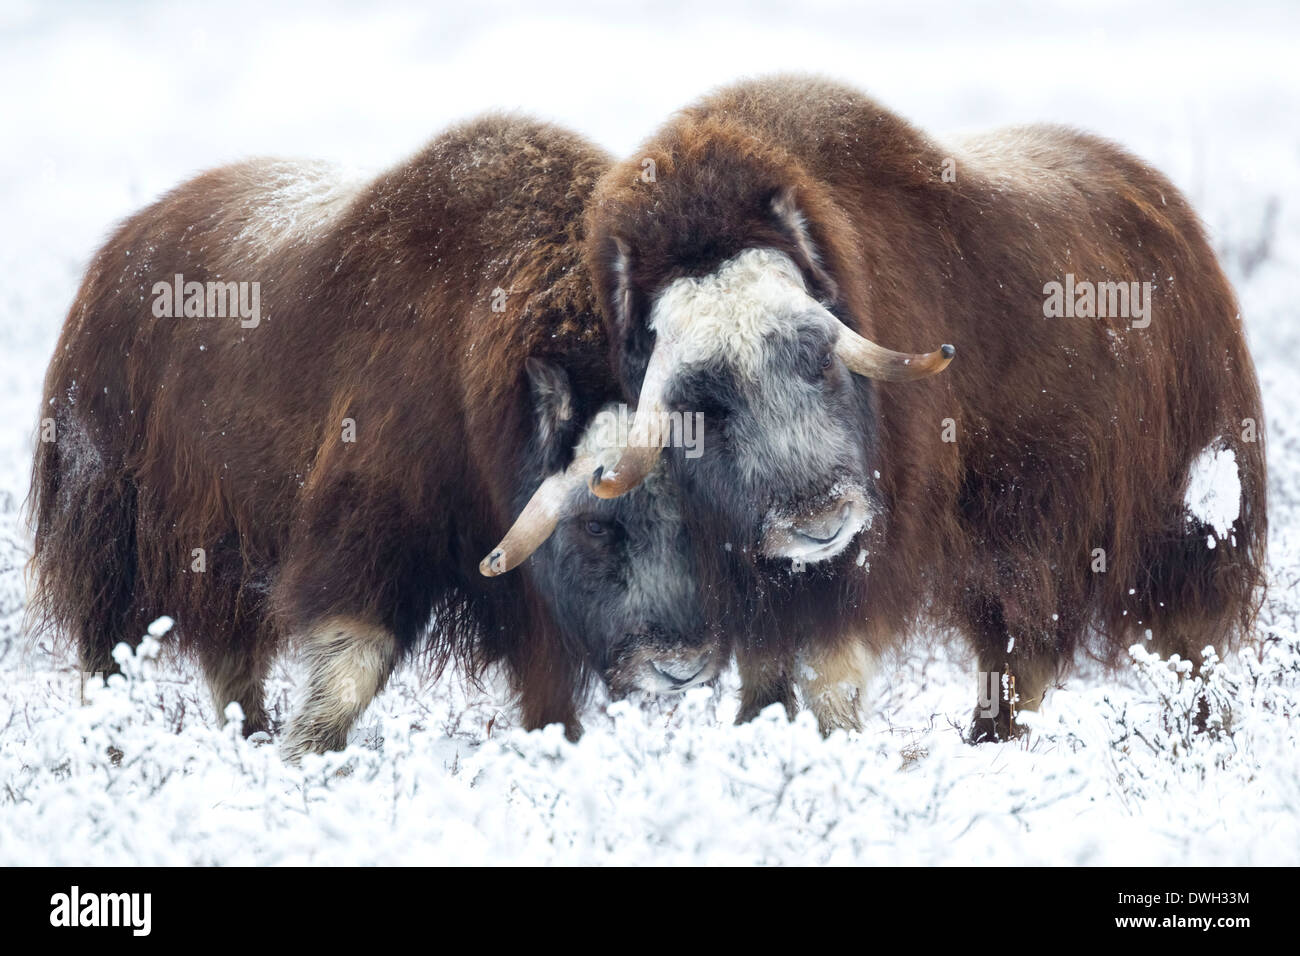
(825, 527)
(819, 535)
(682, 670)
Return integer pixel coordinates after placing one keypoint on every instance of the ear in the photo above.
(633, 342)
(620, 270)
(553, 410)
(789, 216)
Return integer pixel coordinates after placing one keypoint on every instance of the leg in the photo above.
(764, 680)
(95, 647)
(84, 561)
(833, 680)
(1005, 693)
(355, 592)
(104, 589)
(1176, 631)
(238, 676)
(540, 708)
(348, 663)
(1014, 672)
(547, 682)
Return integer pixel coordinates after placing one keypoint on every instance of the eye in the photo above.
(596, 528)
(827, 359)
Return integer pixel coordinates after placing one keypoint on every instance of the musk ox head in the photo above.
(753, 341)
(617, 575)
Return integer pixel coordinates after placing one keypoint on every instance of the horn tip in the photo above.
(603, 489)
(493, 564)
(600, 485)
(947, 351)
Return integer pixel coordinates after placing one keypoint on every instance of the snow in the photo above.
(161, 626)
(1214, 490)
(98, 121)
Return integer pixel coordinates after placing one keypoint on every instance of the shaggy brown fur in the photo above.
(176, 434)
(1072, 434)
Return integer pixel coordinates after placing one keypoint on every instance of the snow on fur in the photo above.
(1214, 490)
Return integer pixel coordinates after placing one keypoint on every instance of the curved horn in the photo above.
(646, 439)
(865, 357)
(538, 519)
(636, 462)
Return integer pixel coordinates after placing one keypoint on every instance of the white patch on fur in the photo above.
(347, 662)
(295, 202)
(1214, 490)
(1026, 158)
(834, 684)
(730, 312)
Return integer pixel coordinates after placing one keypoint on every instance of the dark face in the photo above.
(782, 463)
(620, 578)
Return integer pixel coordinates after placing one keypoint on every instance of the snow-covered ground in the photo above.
(104, 106)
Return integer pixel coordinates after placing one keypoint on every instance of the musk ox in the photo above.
(753, 257)
(417, 355)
